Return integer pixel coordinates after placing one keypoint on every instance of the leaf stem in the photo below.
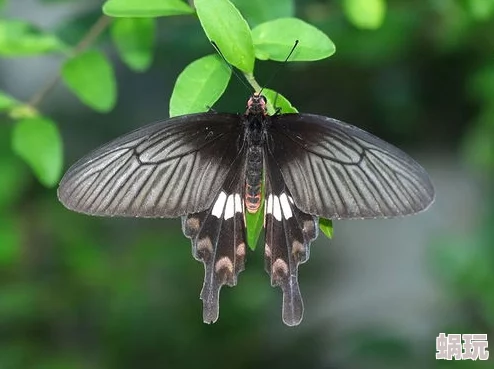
(93, 33)
(252, 81)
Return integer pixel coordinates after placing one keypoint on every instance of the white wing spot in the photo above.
(238, 204)
(219, 205)
(269, 204)
(229, 208)
(285, 205)
(276, 208)
(267, 250)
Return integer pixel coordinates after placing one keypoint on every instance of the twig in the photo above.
(94, 32)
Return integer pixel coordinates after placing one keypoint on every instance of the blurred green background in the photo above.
(81, 292)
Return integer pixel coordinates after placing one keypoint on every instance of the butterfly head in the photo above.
(257, 104)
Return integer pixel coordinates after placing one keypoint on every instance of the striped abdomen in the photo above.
(253, 179)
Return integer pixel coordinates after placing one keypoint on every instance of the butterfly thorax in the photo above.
(255, 126)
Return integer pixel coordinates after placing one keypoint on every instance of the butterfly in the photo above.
(213, 168)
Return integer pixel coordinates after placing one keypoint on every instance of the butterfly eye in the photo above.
(263, 98)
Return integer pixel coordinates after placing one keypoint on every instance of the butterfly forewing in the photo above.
(338, 171)
(166, 169)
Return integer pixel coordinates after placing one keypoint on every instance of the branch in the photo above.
(93, 33)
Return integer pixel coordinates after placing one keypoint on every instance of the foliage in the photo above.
(209, 77)
(38, 142)
(365, 14)
(134, 40)
(89, 75)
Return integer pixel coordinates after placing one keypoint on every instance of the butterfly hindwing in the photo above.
(288, 235)
(218, 240)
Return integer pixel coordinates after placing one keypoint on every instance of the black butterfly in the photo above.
(209, 168)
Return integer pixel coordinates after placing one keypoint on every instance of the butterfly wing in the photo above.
(218, 239)
(166, 169)
(338, 171)
(288, 234)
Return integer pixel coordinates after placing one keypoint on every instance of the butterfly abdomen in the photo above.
(254, 136)
(253, 178)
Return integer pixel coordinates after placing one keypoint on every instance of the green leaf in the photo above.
(18, 38)
(326, 226)
(145, 8)
(274, 40)
(224, 25)
(134, 39)
(258, 11)
(254, 223)
(278, 101)
(199, 85)
(481, 9)
(365, 14)
(90, 76)
(38, 142)
(6, 102)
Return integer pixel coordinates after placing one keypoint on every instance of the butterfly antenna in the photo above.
(230, 66)
(277, 70)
